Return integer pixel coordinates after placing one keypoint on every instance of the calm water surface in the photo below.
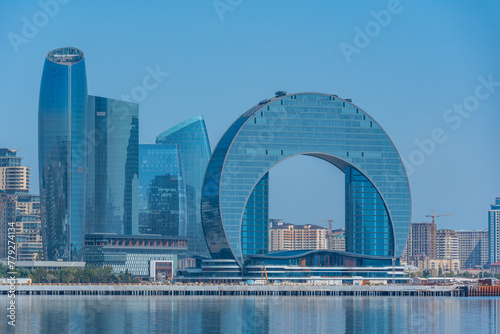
(234, 314)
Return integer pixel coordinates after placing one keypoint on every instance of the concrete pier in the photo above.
(239, 290)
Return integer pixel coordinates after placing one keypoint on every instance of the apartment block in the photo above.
(294, 237)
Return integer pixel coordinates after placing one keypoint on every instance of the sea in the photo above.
(250, 314)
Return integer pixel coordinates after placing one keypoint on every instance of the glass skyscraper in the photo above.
(162, 191)
(62, 152)
(194, 147)
(494, 231)
(113, 166)
(324, 126)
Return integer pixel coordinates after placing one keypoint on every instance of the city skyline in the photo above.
(186, 61)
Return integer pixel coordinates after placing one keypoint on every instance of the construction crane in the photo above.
(437, 216)
(330, 222)
(433, 241)
(262, 272)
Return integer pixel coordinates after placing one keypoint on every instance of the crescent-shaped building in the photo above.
(378, 204)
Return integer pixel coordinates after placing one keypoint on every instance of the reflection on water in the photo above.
(232, 314)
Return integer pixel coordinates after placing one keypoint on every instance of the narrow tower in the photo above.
(62, 152)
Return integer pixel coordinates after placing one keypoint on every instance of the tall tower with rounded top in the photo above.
(62, 152)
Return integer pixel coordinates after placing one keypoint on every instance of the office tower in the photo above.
(446, 245)
(192, 140)
(14, 178)
(62, 152)
(421, 241)
(295, 237)
(473, 248)
(113, 166)
(494, 232)
(162, 191)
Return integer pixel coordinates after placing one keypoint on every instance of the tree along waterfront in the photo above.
(89, 274)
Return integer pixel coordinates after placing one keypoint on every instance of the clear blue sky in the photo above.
(418, 63)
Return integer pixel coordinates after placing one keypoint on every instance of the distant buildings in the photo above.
(7, 220)
(14, 178)
(29, 239)
(472, 248)
(494, 231)
(426, 244)
(294, 237)
(421, 241)
(19, 210)
(441, 266)
(446, 245)
(338, 240)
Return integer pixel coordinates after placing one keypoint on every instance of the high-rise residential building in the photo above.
(28, 237)
(62, 152)
(14, 178)
(29, 241)
(27, 204)
(192, 140)
(421, 241)
(473, 248)
(7, 220)
(23, 208)
(494, 232)
(446, 245)
(338, 240)
(162, 191)
(295, 237)
(113, 166)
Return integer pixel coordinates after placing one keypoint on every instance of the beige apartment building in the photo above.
(293, 237)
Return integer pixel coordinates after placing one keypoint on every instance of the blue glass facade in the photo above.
(113, 170)
(255, 222)
(192, 139)
(162, 191)
(62, 152)
(318, 125)
(368, 228)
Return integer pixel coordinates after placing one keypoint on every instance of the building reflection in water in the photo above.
(235, 314)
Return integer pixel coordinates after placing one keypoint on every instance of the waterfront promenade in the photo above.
(238, 290)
